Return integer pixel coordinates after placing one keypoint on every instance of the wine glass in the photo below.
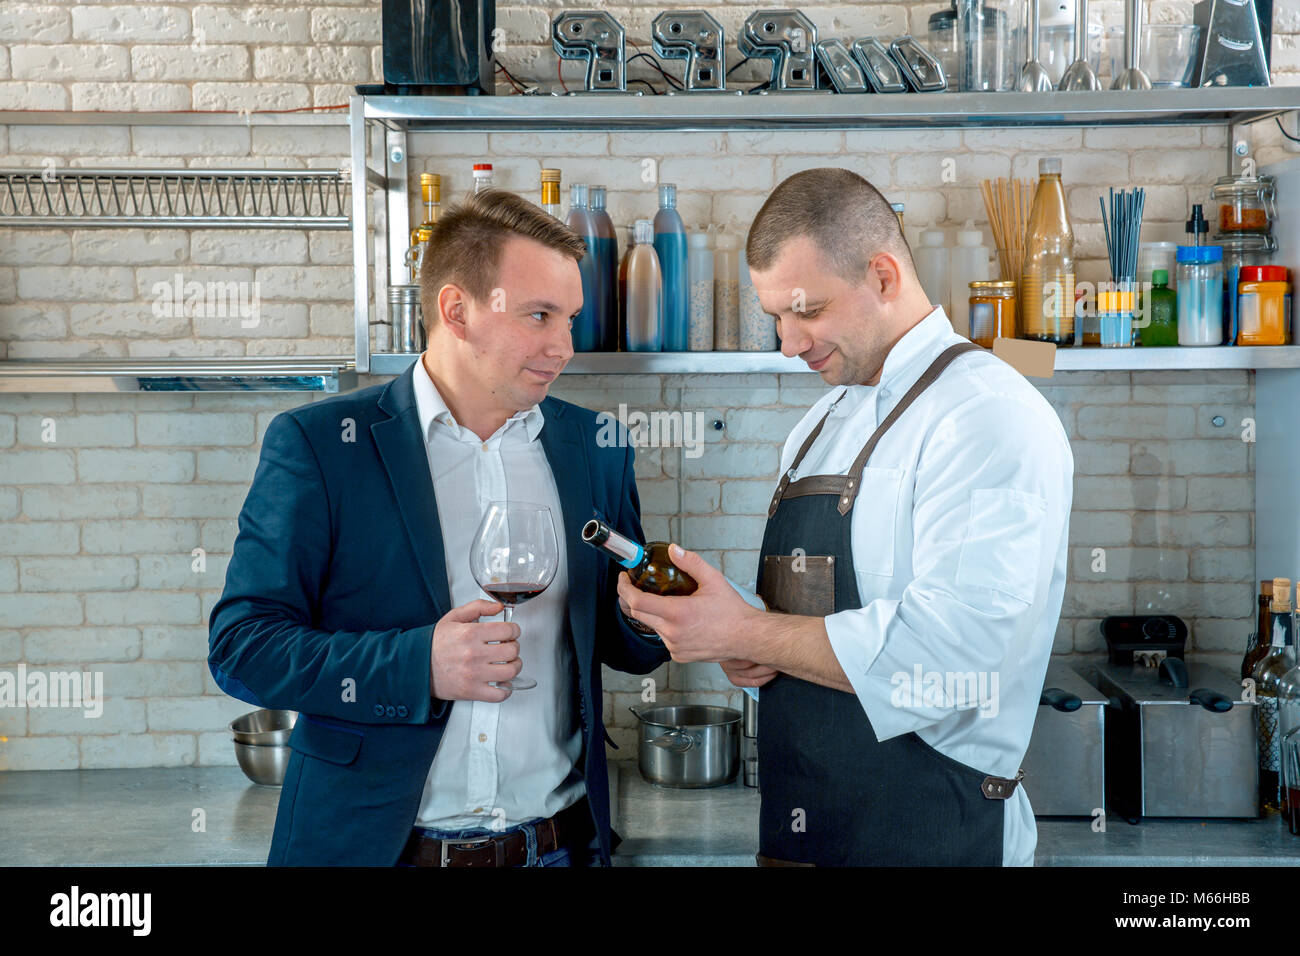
(514, 558)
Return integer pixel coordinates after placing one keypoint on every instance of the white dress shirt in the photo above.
(959, 548)
(499, 765)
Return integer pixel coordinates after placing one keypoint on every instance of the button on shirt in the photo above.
(499, 765)
(959, 549)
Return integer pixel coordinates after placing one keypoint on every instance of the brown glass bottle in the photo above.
(1257, 648)
(1267, 675)
(647, 565)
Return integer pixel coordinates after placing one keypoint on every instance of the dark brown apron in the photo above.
(831, 794)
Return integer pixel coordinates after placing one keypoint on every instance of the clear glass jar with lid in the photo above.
(992, 311)
(977, 42)
(1240, 250)
(1247, 204)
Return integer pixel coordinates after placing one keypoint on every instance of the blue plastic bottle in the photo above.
(671, 248)
(606, 245)
(586, 327)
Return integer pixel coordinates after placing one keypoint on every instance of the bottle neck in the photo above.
(1282, 620)
(623, 550)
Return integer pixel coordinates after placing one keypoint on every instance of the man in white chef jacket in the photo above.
(913, 563)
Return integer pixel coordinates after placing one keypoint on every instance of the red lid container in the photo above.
(1263, 274)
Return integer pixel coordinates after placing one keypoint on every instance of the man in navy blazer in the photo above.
(337, 602)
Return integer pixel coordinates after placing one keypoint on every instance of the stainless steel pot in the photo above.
(689, 745)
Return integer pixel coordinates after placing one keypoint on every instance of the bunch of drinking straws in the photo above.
(1123, 226)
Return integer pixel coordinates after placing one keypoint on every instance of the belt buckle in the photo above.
(460, 845)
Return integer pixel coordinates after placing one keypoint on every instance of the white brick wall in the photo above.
(96, 571)
(98, 526)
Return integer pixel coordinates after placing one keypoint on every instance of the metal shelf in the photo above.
(379, 126)
(176, 198)
(1067, 360)
(827, 110)
(1177, 357)
(290, 374)
(170, 118)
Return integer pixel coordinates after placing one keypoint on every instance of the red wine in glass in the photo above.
(512, 594)
(514, 557)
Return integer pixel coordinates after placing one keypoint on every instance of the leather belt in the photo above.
(571, 826)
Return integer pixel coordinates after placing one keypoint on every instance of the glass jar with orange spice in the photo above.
(992, 311)
(1246, 204)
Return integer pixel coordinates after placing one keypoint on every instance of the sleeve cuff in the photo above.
(856, 638)
(652, 640)
(752, 599)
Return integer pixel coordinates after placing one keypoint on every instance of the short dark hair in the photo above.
(465, 247)
(845, 216)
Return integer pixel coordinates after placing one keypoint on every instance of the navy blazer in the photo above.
(335, 583)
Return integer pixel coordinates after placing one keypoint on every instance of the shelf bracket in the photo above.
(1241, 149)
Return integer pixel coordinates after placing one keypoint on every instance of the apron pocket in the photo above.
(799, 584)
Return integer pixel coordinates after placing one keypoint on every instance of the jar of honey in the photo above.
(992, 311)
(1247, 204)
(1264, 306)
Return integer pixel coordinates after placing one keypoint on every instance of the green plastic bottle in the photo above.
(1163, 329)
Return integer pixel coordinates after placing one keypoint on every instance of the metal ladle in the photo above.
(1034, 77)
(1080, 75)
(1132, 78)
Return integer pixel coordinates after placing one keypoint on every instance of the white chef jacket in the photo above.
(959, 550)
(499, 765)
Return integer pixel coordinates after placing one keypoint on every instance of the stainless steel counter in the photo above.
(147, 817)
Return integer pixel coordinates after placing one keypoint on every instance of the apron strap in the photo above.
(1001, 788)
(799, 456)
(851, 484)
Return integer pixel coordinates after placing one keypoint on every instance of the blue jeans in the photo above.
(561, 856)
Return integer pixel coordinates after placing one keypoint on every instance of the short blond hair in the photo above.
(466, 244)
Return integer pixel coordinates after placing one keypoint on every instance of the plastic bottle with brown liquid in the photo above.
(1047, 275)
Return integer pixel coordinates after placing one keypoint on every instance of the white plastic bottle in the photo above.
(931, 258)
(968, 263)
(699, 271)
(757, 329)
(726, 294)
